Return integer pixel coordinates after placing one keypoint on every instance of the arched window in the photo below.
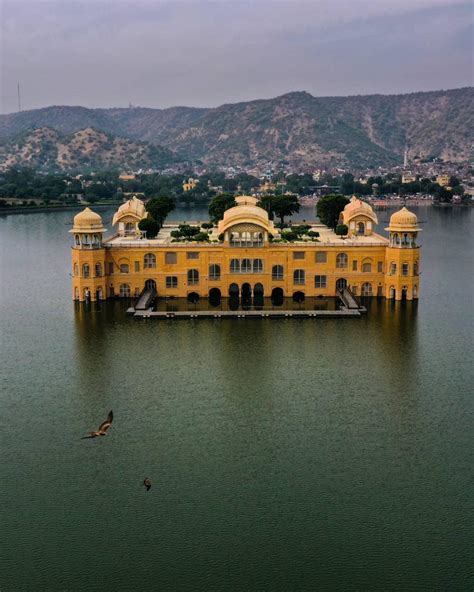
(214, 272)
(246, 265)
(124, 291)
(76, 269)
(360, 228)
(149, 261)
(235, 266)
(257, 266)
(257, 239)
(392, 292)
(86, 272)
(366, 267)
(277, 272)
(405, 268)
(396, 239)
(98, 270)
(246, 238)
(129, 228)
(405, 240)
(341, 284)
(341, 260)
(393, 268)
(298, 276)
(85, 239)
(124, 268)
(96, 240)
(366, 289)
(193, 277)
(77, 239)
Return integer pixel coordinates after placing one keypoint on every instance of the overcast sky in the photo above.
(157, 53)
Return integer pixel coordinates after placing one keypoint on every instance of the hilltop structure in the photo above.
(246, 255)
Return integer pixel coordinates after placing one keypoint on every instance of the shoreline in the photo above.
(71, 208)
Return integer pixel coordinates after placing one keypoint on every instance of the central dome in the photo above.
(246, 212)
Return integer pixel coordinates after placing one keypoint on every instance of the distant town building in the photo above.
(267, 187)
(408, 178)
(127, 177)
(443, 180)
(190, 184)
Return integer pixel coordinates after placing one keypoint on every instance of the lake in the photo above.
(284, 454)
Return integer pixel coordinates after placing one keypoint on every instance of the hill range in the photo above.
(296, 128)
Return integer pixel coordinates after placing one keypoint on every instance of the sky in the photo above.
(203, 53)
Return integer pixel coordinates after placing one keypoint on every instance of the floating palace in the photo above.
(245, 256)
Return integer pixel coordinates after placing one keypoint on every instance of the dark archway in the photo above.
(150, 285)
(234, 291)
(341, 284)
(193, 297)
(258, 293)
(404, 292)
(246, 290)
(277, 296)
(215, 297)
(246, 293)
(298, 296)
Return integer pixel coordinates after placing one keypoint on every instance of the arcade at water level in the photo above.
(245, 254)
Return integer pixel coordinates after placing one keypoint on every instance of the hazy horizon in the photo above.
(234, 102)
(160, 54)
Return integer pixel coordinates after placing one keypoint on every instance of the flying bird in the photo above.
(147, 484)
(102, 431)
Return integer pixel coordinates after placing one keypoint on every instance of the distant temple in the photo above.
(246, 256)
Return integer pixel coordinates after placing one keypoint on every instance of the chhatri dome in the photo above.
(403, 221)
(246, 216)
(87, 221)
(359, 217)
(128, 217)
(131, 211)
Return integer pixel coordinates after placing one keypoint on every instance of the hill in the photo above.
(46, 149)
(297, 128)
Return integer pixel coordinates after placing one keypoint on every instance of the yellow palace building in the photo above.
(247, 256)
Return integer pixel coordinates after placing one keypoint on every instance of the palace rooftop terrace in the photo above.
(326, 237)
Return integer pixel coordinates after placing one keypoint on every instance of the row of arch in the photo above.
(342, 261)
(405, 268)
(246, 292)
(247, 266)
(406, 239)
(88, 240)
(86, 270)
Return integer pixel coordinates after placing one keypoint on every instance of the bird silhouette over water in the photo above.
(147, 484)
(104, 426)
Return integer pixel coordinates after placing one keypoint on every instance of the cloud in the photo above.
(206, 52)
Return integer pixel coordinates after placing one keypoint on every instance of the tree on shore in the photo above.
(329, 207)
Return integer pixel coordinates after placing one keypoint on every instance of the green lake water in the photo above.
(284, 454)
